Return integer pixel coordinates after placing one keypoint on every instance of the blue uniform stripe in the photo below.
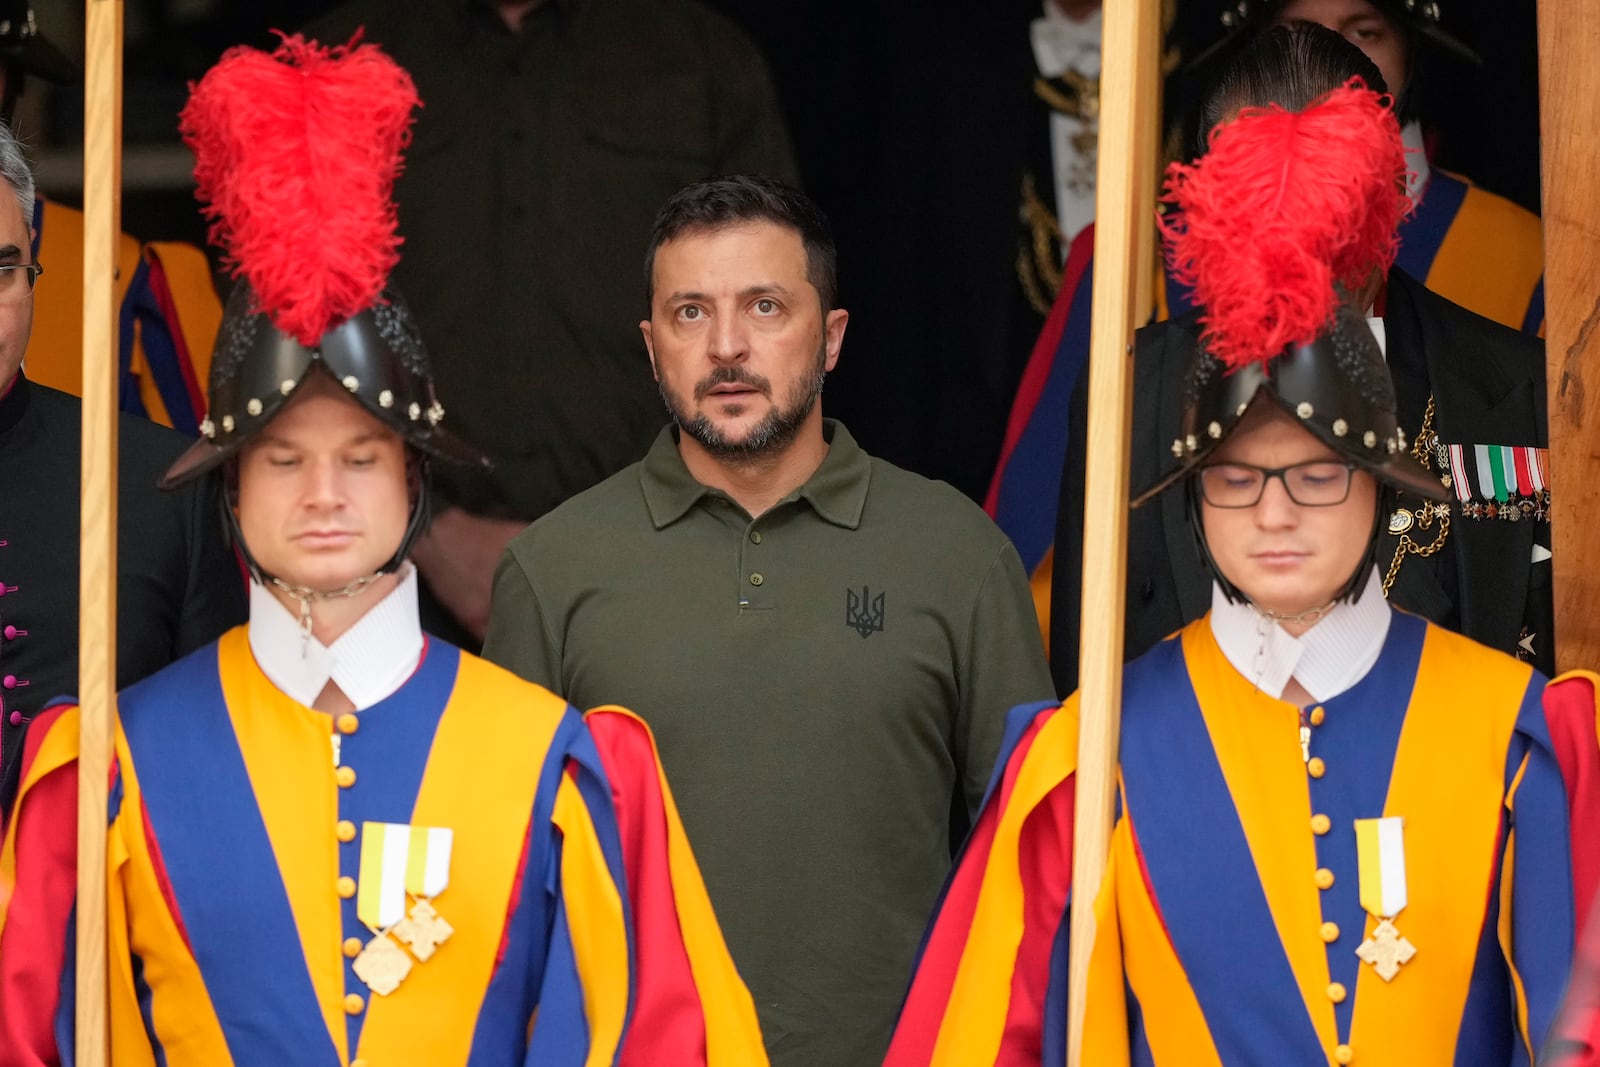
(66, 1021)
(396, 735)
(514, 988)
(1054, 1038)
(1196, 855)
(1488, 1028)
(561, 1034)
(1360, 733)
(229, 892)
(1542, 918)
(1422, 232)
(141, 989)
(1535, 316)
(1026, 505)
(160, 355)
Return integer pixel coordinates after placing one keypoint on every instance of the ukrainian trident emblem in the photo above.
(863, 612)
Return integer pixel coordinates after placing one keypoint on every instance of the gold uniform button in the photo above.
(755, 537)
(351, 947)
(1342, 1055)
(1324, 878)
(348, 723)
(1320, 824)
(345, 776)
(347, 887)
(756, 578)
(1329, 932)
(353, 1004)
(1315, 767)
(1317, 715)
(345, 831)
(1336, 992)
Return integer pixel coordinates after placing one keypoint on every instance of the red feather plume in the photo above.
(1283, 206)
(296, 156)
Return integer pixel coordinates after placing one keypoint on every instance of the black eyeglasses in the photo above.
(16, 279)
(1318, 483)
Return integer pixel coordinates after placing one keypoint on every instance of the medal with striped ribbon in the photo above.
(397, 860)
(1381, 854)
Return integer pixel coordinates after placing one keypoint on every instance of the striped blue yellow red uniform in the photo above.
(1474, 248)
(582, 931)
(1230, 912)
(167, 319)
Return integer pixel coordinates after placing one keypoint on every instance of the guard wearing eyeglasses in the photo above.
(1343, 834)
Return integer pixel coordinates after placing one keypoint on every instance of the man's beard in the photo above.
(768, 437)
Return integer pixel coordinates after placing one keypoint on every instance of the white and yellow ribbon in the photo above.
(397, 859)
(1381, 853)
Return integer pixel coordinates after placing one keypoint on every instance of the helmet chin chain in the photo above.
(305, 596)
(1309, 615)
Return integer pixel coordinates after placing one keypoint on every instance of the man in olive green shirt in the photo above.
(825, 645)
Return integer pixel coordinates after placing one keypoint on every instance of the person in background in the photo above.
(168, 311)
(551, 131)
(178, 586)
(823, 643)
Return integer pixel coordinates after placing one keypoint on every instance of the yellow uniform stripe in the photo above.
(595, 920)
(971, 1032)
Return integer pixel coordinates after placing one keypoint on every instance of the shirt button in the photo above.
(10, 680)
(1336, 992)
(353, 1004)
(1324, 878)
(1317, 715)
(756, 578)
(16, 718)
(1329, 932)
(1320, 824)
(352, 947)
(755, 537)
(347, 887)
(1315, 767)
(348, 723)
(345, 831)
(345, 776)
(11, 633)
(1344, 1054)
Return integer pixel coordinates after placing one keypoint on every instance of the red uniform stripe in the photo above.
(935, 974)
(667, 1024)
(1045, 859)
(1041, 359)
(33, 939)
(1569, 710)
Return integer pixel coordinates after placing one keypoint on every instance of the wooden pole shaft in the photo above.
(1129, 88)
(97, 624)
(1569, 93)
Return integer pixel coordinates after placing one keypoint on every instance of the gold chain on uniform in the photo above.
(1423, 450)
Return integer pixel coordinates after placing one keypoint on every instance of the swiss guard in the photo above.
(1342, 834)
(333, 839)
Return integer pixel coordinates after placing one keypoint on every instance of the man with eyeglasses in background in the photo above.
(178, 587)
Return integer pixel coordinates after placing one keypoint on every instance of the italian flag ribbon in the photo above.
(1381, 854)
(397, 859)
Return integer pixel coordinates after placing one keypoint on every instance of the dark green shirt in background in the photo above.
(820, 681)
(538, 162)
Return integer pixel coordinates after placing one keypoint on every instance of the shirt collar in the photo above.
(1326, 660)
(368, 662)
(1060, 43)
(836, 490)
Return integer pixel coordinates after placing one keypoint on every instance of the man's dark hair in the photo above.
(1293, 66)
(719, 203)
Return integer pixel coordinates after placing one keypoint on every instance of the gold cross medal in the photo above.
(1381, 854)
(427, 875)
(397, 860)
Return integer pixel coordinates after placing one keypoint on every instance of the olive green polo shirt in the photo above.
(819, 679)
